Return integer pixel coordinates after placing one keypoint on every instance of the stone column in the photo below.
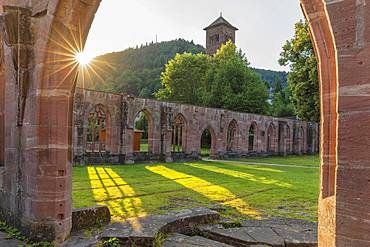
(166, 120)
(2, 92)
(40, 76)
(340, 30)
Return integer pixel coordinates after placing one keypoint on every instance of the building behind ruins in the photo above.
(218, 33)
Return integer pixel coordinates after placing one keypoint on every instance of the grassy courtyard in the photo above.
(304, 160)
(235, 189)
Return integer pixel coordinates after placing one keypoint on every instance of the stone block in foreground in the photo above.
(143, 230)
(179, 240)
(91, 217)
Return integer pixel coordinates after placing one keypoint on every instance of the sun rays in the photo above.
(68, 63)
(83, 58)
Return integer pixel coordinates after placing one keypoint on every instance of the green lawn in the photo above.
(204, 152)
(235, 189)
(304, 160)
(144, 147)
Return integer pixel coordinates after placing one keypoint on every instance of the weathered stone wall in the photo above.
(289, 136)
(2, 95)
(38, 41)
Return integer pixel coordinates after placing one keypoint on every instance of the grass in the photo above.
(235, 189)
(304, 160)
(144, 147)
(205, 151)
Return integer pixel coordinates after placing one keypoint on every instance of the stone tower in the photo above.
(218, 33)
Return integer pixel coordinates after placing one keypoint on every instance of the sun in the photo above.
(82, 58)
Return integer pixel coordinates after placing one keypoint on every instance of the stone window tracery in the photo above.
(96, 130)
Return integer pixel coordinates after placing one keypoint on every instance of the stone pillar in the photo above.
(340, 30)
(2, 92)
(166, 122)
(40, 76)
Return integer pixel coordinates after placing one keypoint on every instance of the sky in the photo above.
(264, 25)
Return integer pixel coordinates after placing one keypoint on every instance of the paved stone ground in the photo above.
(279, 232)
(180, 240)
(194, 228)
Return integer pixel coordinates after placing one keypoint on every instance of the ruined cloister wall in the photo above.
(122, 110)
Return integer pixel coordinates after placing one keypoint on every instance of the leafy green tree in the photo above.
(233, 84)
(224, 80)
(303, 81)
(281, 105)
(183, 79)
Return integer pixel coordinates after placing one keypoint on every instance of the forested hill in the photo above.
(271, 76)
(137, 71)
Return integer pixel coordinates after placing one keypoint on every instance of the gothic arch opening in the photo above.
(271, 138)
(287, 139)
(252, 137)
(302, 140)
(97, 130)
(143, 132)
(179, 134)
(208, 142)
(232, 136)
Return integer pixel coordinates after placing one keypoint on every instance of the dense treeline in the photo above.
(224, 80)
(137, 71)
(271, 76)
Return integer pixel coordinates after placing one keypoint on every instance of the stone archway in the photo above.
(232, 136)
(179, 134)
(213, 144)
(38, 113)
(253, 137)
(271, 139)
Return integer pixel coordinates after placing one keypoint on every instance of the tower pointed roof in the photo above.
(221, 21)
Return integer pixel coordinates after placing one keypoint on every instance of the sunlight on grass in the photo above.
(211, 191)
(242, 175)
(111, 190)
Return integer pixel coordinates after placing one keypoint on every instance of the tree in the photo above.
(303, 82)
(233, 84)
(224, 80)
(281, 105)
(183, 79)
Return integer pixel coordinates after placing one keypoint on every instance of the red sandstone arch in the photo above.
(212, 151)
(271, 138)
(253, 143)
(182, 126)
(302, 139)
(340, 33)
(98, 121)
(232, 136)
(149, 118)
(288, 139)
